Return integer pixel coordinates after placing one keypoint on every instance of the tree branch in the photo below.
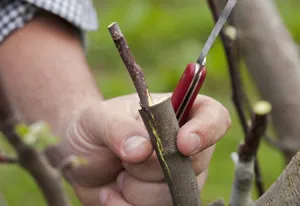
(238, 95)
(161, 123)
(4, 158)
(244, 161)
(273, 67)
(258, 127)
(46, 177)
(133, 68)
(286, 189)
(233, 67)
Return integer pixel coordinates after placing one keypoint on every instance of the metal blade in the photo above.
(216, 30)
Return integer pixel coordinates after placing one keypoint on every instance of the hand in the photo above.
(123, 170)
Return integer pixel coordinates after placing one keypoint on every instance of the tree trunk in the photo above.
(273, 62)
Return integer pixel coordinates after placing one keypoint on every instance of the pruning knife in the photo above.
(194, 74)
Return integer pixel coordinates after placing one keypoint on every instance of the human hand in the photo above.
(123, 170)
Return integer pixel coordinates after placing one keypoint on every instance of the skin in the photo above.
(46, 76)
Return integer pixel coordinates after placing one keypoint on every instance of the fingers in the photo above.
(151, 169)
(113, 124)
(200, 161)
(108, 195)
(143, 193)
(209, 121)
(111, 197)
(138, 192)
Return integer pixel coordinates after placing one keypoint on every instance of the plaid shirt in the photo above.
(14, 14)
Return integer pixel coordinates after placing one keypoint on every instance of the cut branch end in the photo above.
(262, 108)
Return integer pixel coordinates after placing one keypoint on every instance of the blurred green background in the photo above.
(164, 36)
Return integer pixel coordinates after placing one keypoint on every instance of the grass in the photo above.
(164, 36)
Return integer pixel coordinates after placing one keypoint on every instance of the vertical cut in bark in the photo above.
(162, 126)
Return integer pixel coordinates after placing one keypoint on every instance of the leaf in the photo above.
(21, 129)
(38, 135)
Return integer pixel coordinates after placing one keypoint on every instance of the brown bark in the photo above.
(273, 61)
(239, 98)
(162, 126)
(286, 189)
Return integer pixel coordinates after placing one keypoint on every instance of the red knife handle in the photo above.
(186, 90)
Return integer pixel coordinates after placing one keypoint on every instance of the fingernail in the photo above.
(133, 144)
(194, 142)
(103, 197)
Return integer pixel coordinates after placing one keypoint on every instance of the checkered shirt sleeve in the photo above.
(14, 14)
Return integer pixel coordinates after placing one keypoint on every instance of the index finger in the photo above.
(208, 122)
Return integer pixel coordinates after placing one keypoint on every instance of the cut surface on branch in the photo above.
(133, 68)
(162, 126)
(161, 123)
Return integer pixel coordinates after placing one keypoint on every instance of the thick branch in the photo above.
(243, 177)
(244, 161)
(272, 59)
(286, 189)
(238, 95)
(233, 67)
(162, 126)
(47, 178)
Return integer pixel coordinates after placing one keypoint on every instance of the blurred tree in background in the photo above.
(164, 36)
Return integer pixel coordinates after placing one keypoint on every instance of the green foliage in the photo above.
(164, 36)
(37, 135)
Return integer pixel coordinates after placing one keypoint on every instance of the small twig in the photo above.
(47, 178)
(4, 158)
(259, 124)
(238, 95)
(133, 68)
(233, 68)
(162, 125)
(245, 159)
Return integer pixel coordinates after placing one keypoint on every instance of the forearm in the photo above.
(45, 72)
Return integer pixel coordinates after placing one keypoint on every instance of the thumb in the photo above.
(118, 128)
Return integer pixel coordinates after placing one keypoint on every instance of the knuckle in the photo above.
(207, 137)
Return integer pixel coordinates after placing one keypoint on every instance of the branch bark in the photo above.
(239, 98)
(245, 159)
(4, 158)
(161, 123)
(273, 61)
(286, 189)
(46, 177)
